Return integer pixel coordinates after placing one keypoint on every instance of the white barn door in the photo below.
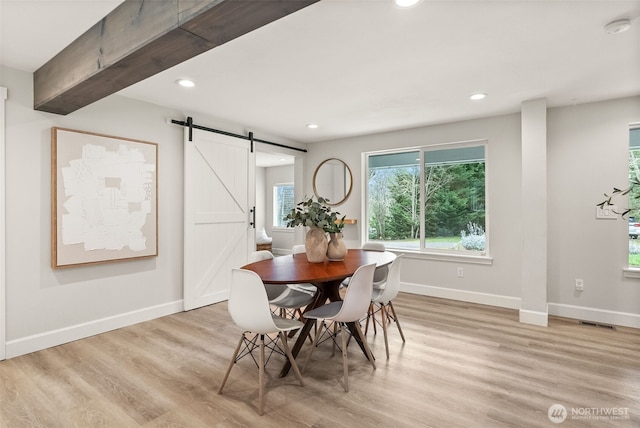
(219, 193)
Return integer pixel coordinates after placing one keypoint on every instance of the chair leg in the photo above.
(333, 342)
(364, 343)
(261, 377)
(395, 317)
(373, 312)
(315, 343)
(294, 366)
(383, 313)
(233, 361)
(370, 314)
(345, 363)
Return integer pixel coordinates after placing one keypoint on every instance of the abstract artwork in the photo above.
(104, 198)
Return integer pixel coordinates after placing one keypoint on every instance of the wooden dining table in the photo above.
(326, 276)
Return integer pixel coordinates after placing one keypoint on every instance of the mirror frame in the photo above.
(347, 169)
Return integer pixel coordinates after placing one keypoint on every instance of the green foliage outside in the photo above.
(634, 198)
(454, 198)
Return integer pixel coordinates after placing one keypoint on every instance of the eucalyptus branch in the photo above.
(315, 213)
(609, 201)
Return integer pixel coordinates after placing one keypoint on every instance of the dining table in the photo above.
(326, 276)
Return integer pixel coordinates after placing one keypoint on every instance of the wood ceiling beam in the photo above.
(141, 38)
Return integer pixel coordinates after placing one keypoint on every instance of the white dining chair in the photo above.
(350, 310)
(381, 301)
(249, 309)
(286, 299)
(380, 274)
(305, 287)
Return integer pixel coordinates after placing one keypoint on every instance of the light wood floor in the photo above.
(463, 365)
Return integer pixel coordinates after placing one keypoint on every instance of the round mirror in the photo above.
(332, 181)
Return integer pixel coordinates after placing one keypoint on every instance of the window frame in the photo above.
(468, 256)
(631, 271)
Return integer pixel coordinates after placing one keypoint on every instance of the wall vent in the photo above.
(597, 324)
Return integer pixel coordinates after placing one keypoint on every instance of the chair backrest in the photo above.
(358, 296)
(380, 276)
(297, 249)
(374, 246)
(248, 304)
(392, 287)
(273, 290)
(256, 256)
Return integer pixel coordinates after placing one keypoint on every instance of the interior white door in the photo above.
(219, 173)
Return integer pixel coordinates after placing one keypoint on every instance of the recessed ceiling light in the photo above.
(406, 3)
(312, 125)
(478, 96)
(186, 83)
(617, 26)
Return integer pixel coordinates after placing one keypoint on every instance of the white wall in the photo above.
(3, 97)
(282, 238)
(500, 281)
(261, 214)
(587, 149)
(46, 307)
(533, 274)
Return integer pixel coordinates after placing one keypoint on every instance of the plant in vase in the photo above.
(320, 219)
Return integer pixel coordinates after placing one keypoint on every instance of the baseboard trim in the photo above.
(534, 317)
(595, 315)
(623, 319)
(52, 338)
(462, 295)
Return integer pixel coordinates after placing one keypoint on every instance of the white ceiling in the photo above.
(363, 66)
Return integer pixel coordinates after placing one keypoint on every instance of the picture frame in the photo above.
(104, 198)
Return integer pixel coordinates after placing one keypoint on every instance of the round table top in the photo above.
(296, 268)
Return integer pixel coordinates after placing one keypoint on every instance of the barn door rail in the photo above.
(189, 123)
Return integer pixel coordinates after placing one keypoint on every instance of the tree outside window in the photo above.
(450, 182)
(634, 197)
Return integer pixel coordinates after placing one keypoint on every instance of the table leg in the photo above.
(354, 334)
(333, 294)
(326, 291)
(302, 337)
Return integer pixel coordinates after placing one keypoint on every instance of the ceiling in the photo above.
(357, 67)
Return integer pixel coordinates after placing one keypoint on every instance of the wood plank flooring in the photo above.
(463, 365)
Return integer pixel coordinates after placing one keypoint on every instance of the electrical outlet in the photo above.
(579, 285)
(460, 272)
(606, 213)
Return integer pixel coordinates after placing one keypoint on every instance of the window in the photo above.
(634, 197)
(283, 203)
(429, 199)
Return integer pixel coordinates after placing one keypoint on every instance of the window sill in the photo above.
(631, 272)
(457, 258)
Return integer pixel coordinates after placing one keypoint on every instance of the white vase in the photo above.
(336, 249)
(315, 245)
